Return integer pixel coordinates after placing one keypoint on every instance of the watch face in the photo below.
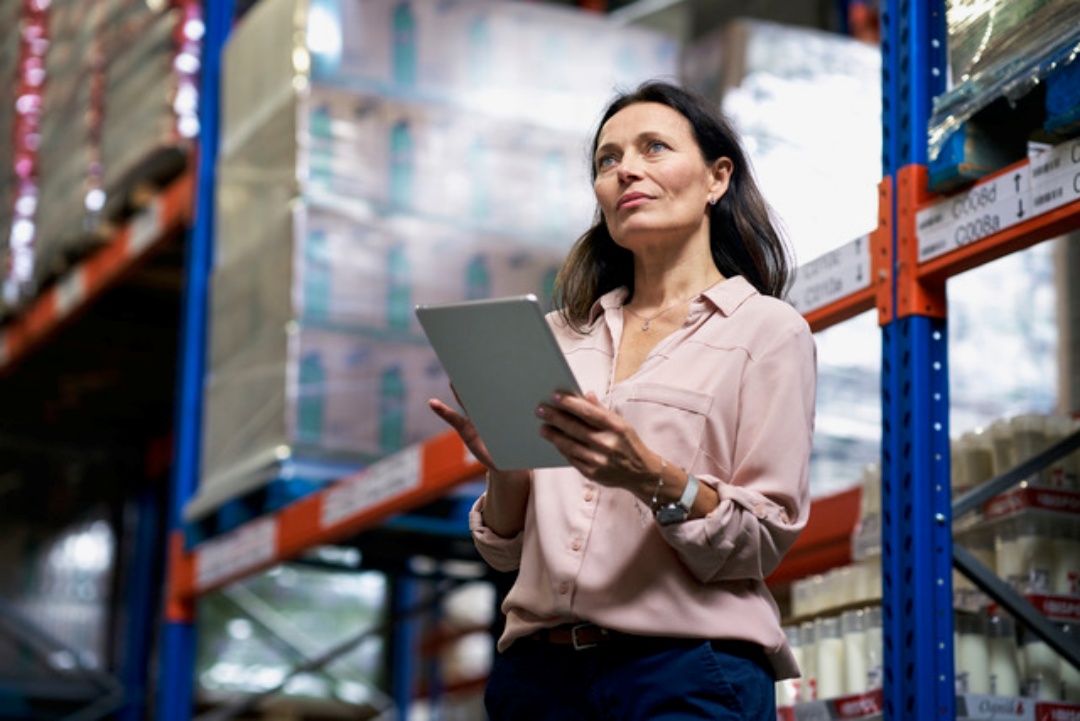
(672, 513)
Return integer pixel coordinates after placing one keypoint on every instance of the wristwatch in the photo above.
(679, 511)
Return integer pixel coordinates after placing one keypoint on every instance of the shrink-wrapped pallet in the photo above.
(68, 167)
(151, 59)
(10, 43)
(1000, 49)
(375, 155)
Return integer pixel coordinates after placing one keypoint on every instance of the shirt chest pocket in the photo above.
(670, 420)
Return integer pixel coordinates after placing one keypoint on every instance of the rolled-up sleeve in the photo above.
(502, 554)
(765, 502)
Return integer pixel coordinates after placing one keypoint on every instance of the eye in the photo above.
(605, 161)
(657, 146)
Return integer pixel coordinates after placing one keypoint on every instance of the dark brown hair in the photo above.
(742, 236)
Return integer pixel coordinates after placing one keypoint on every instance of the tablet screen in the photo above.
(504, 361)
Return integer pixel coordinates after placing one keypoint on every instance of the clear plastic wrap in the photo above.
(149, 89)
(10, 37)
(1000, 49)
(374, 156)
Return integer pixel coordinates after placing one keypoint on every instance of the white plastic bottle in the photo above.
(1004, 656)
(853, 632)
(972, 654)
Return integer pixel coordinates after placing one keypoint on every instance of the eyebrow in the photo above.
(643, 136)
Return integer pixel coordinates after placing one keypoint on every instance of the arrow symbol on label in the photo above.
(1020, 212)
(1017, 179)
(858, 265)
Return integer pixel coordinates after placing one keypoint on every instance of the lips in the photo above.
(631, 200)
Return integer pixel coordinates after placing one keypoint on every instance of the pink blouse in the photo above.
(730, 398)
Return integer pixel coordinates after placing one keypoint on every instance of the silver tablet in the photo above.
(504, 361)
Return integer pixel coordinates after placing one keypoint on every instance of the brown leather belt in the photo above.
(579, 635)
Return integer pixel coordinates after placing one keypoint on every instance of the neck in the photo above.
(657, 289)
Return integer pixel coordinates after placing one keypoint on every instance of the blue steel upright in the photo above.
(917, 603)
(176, 667)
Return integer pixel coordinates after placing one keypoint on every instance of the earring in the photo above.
(712, 200)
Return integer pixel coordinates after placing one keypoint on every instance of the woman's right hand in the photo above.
(467, 432)
(507, 493)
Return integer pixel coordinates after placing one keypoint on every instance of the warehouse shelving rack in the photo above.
(883, 271)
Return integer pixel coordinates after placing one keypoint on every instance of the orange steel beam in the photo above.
(836, 313)
(1023, 235)
(881, 253)
(170, 211)
(915, 295)
(444, 463)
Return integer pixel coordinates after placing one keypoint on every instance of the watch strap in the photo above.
(689, 494)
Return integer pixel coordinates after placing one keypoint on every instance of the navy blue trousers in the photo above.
(631, 679)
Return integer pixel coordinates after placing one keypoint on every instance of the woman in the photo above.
(640, 590)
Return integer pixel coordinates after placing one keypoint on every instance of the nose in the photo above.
(629, 167)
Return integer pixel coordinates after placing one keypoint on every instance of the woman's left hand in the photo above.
(599, 443)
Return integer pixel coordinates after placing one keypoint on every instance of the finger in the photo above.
(465, 430)
(565, 422)
(445, 412)
(578, 454)
(586, 412)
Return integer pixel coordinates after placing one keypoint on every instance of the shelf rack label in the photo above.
(987, 208)
(70, 291)
(378, 483)
(832, 276)
(236, 553)
(146, 227)
(1055, 177)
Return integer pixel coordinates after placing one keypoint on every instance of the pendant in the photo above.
(645, 325)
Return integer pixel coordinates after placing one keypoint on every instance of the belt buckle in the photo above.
(581, 646)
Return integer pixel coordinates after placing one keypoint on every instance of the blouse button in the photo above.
(576, 545)
(588, 495)
(564, 587)
(759, 510)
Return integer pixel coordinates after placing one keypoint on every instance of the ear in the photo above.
(720, 177)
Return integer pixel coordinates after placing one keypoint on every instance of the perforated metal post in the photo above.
(917, 605)
(176, 669)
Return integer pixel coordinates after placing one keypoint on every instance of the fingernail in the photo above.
(556, 396)
(541, 411)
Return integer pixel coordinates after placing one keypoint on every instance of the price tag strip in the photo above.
(989, 207)
(1055, 177)
(70, 292)
(832, 276)
(380, 482)
(236, 553)
(1050, 180)
(145, 227)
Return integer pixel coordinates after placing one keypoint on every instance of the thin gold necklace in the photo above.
(654, 316)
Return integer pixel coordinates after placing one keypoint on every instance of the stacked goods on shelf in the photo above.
(840, 654)
(999, 51)
(10, 45)
(68, 162)
(995, 656)
(17, 243)
(377, 155)
(1030, 537)
(150, 64)
(115, 91)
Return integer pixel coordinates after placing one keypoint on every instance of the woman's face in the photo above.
(651, 180)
